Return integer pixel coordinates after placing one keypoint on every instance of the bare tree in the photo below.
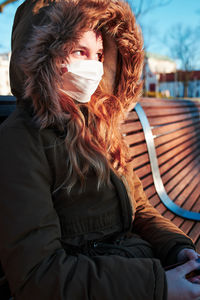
(4, 3)
(142, 7)
(183, 47)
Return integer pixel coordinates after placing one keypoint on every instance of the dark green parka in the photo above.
(97, 244)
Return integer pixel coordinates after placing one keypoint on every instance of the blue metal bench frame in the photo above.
(159, 186)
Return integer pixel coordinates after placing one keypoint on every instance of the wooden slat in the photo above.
(134, 138)
(175, 167)
(161, 208)
(189, 138)
(131, 127)
(154, 199)
(168, 103)
(161, 120)
(184, 124)
(176, 192)
(178, 221)
(194, 234)
(132, 116)
(186, 147)
(181, 171)
(192, 191)
(174, 174)
(179, 176)
(150, 191)
(147, 181)
(171, 112)
(187, 226)
(144, 171)
(169, 215)
(197, 244)
(181, 158)
(140, 160)
(138, 149)
(191, 205)
(159, 103)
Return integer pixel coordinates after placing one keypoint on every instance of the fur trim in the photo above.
(45, 32)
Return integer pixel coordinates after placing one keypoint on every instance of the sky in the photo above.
(157, 23)
(160, 21)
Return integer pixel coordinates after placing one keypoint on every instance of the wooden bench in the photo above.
(164, 141)
(7, 105)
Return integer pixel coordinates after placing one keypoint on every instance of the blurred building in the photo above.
(161, 78)
(160, 63)
(155, 65)
(176, 82)
(4, 74)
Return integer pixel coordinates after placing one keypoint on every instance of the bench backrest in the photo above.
(174, 127)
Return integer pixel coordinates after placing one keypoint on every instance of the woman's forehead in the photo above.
(91, 38)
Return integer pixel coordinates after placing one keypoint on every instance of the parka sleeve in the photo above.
(32, 257)
(166, 238)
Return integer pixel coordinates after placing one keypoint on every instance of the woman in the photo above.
(75, 222)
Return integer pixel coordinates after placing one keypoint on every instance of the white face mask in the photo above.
(82, 79)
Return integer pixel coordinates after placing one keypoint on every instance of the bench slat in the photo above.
(184, 124)
(187, 146)
(170, 170)
(189, 138)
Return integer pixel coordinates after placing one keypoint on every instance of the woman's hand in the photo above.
(178, 286)
(187, 254)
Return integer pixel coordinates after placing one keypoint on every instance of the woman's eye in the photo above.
(79, 52)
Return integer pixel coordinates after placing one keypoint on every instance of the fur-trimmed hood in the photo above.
(44, 31)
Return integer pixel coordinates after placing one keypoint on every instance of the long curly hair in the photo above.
(93, 138)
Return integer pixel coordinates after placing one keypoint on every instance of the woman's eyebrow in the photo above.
(79, 46)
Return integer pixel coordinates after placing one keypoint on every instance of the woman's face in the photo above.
(89, 47)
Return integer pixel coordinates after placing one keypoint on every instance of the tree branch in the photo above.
(152, 4)
(2, 5)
